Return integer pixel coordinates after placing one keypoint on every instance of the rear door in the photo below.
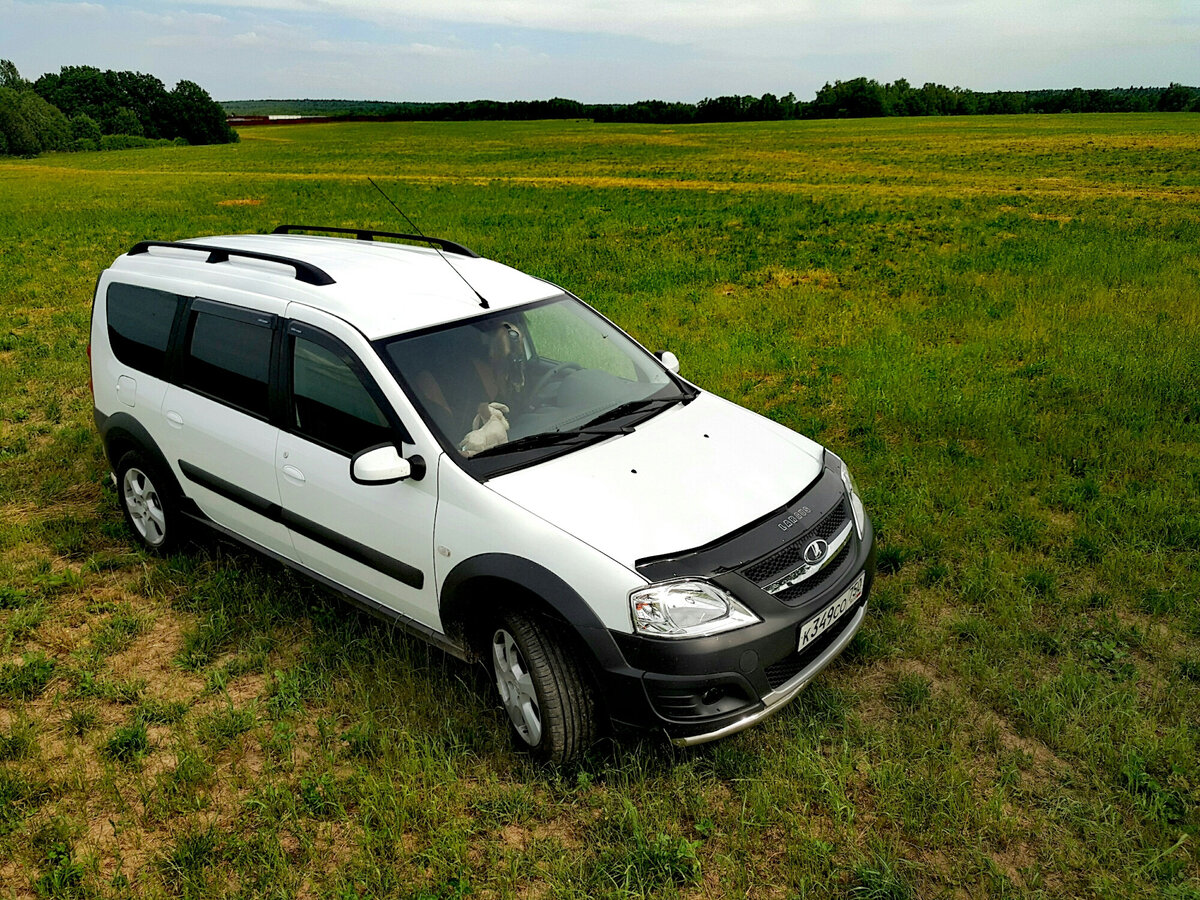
(376, 539)
(218, 432)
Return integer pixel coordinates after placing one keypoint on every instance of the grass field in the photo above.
(994, 320)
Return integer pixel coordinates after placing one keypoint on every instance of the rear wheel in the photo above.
(549, 701)
(147, 502)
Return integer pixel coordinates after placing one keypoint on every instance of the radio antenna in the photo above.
(482, 302)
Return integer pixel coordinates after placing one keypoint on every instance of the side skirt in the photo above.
(363, 602)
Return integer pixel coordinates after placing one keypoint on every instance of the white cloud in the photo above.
(672, 21)
(605, 50)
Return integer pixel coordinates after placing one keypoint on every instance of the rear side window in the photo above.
(229, 357)
(139, 326)
(331, 404)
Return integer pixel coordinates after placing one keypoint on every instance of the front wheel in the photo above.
(549, 701)
(147, 502)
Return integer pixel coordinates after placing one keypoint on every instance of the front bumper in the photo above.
(701, 689)
(779, 698)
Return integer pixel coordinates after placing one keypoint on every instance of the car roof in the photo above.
(382, 288)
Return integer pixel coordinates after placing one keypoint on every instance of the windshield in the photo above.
(540, 378)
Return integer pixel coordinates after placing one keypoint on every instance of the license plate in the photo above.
(819, 624)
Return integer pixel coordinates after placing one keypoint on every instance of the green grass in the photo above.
(992, 319)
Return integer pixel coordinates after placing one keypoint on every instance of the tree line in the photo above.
(84, 108)
(856, 98)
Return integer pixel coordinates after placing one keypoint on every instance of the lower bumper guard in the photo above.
(786, 692)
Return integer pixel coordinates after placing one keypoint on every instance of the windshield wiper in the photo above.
(549, 439)
(593, 428)
(631, 406)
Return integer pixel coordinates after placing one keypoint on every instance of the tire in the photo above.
(550, 703)
(148, 502)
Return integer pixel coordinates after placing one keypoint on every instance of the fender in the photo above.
(457, 599)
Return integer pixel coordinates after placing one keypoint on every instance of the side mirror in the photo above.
(384, 465)
(669, 360)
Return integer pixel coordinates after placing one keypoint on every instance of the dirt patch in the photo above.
(785, 278)
(519, 837)
(246, 688)
(128, 851)
(152, 657)
(17, 878)
(1063, 521)
(1016, 859)
(1061, 220)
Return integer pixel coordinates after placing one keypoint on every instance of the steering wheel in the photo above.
(559, 371)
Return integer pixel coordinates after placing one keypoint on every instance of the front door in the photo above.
(376, 539)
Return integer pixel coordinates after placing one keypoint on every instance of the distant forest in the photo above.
(83, 108)
(856, 98)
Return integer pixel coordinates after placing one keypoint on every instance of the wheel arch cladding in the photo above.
(461, 603)
(122, 433)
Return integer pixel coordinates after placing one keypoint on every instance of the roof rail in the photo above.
(364, 234)
(306, 272)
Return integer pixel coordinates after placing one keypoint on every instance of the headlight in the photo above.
(856, 505)
(685, 609)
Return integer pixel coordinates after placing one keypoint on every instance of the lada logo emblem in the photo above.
(815, 551)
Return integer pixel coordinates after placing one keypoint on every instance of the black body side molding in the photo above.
(368, 556)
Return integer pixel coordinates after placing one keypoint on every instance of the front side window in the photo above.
(229, 359)
(330, 403)
(139, 326)
(528, 382)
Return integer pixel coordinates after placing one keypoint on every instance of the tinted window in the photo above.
(331, 404)
(229, 359)
(139, 326)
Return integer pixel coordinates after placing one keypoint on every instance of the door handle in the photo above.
(293, 474)
(175, 419)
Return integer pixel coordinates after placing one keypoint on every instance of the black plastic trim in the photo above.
(365, 234)
(368, 556)
(537, 579)
(305, 272)
(740, 657)
(230, 491)
(232, 311)
(122, 427)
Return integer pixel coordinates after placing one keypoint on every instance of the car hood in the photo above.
(682, 479)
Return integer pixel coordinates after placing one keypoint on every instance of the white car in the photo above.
(481, 457)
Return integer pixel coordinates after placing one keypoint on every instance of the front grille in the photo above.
(792, 555)
(790, 666)
(805, 588)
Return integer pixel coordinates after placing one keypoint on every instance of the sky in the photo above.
(606, 50)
